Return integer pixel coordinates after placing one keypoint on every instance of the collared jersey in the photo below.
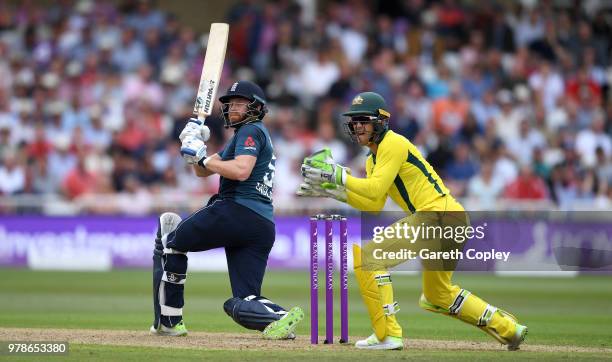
(255, 192)
(400, 171)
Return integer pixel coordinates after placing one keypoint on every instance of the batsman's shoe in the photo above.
(284, 328)
(519, 336)
(373, 343)
(178, 330)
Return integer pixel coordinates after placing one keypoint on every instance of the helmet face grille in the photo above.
(381, 125)
(255, 112)
(256, 109)
(368, 107)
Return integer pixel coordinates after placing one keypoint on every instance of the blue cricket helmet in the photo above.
(256, 108)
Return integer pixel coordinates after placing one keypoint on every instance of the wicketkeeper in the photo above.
(239, 218)
(395, 168)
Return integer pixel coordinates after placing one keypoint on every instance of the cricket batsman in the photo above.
(396, 168)
(239, 218)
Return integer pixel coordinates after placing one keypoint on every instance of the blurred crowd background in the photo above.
(508, 100)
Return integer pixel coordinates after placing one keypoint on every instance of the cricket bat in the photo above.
(211, 70)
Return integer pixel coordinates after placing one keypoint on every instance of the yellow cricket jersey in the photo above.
(399, 170)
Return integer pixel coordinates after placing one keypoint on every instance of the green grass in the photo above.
(558, 311)
(106, 353)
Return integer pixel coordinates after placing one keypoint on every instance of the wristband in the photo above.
(202, 162)
(341, 177)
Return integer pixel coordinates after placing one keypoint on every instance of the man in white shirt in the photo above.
(547, 84)
(588, 140)
(529, 139)
(12, 175)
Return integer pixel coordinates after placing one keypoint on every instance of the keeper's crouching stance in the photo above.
(396, 168)
(239, 218)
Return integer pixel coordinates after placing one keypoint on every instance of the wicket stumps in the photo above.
(329, 279)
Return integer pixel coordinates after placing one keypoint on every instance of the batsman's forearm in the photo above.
(202, 172)
(231, 169)
(205, 172)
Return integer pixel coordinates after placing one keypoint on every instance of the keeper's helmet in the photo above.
(256, 108)
(368, 107)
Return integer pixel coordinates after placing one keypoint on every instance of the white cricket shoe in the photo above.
(373, 343)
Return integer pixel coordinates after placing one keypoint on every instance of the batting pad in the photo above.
(253, 312)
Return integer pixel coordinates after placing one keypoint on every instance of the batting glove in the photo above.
(193, 150)
(196, 129)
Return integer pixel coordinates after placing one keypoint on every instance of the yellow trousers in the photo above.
(439, 294)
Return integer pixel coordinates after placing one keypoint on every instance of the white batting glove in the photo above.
(193, 150)
(196, 129)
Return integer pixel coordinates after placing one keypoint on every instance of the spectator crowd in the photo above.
(509, 101)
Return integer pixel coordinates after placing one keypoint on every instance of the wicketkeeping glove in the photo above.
(320, 167)
(196, 129)
(312, 190)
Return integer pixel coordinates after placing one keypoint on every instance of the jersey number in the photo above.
(268, 178)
